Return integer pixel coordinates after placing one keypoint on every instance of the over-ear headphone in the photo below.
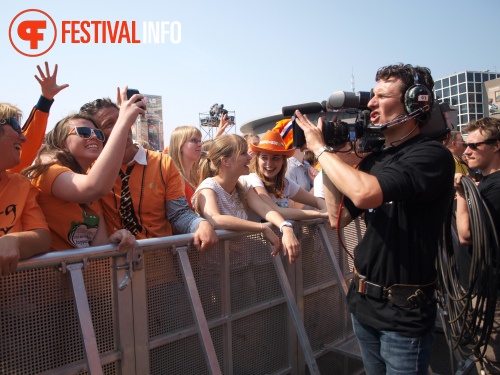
(418, 97)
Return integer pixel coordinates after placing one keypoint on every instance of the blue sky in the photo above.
(253, 56)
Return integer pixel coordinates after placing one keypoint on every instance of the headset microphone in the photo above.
(399, 119)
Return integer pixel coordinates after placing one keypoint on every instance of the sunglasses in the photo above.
(12, 121)
(86, 132)
(473, 146)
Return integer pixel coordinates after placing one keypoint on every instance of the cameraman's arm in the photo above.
(333, 198)
(363, 189)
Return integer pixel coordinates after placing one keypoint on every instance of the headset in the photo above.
(418, 98)
(417, 101)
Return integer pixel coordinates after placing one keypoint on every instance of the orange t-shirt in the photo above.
(19, 209)
(70, 225)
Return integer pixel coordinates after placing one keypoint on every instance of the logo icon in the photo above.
(32, 32)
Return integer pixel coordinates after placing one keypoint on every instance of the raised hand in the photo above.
(223, 124)
(48, 82)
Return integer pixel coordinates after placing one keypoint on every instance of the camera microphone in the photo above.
(306, 108)
(346, 99)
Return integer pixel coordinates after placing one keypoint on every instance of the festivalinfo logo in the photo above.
(34, 32)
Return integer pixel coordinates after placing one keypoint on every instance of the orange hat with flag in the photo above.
(272, 143)
(285, 128)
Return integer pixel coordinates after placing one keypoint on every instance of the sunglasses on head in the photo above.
(473, 146)
(12, 121)
(86, 132)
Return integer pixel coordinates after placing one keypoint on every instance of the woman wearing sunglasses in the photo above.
(76, 172)
(23, 229)
(185, 150)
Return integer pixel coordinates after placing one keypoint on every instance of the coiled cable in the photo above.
(471, 307)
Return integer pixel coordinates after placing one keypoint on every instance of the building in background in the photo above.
(467, 93)
(149, 128)
(492, 89)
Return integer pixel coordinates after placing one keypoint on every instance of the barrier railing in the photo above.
(168, 309)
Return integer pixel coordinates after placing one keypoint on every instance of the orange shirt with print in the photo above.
(19, 209)
(70, 225)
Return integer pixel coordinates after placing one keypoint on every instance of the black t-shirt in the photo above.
(489, 188)
(401, 239)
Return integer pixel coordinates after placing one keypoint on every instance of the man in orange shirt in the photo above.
(156, 202)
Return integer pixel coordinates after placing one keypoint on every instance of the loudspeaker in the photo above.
(418, 97)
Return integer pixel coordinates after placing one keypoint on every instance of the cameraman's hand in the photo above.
(313, 134)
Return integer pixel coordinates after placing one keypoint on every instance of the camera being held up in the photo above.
(347, 104)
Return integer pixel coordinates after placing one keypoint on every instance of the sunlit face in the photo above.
(483, 156)
(84, 150)
(270, 164)
(106, 119)
(240, 163)
(386, 102)
(191, 149)
(10, 147)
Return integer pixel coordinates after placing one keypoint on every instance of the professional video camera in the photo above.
(218, 110)
(370, 137)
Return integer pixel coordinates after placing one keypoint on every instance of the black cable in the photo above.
(471, 309)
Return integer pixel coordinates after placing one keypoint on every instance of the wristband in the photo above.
(285, 224)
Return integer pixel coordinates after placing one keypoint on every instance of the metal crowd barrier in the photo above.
(168, 309)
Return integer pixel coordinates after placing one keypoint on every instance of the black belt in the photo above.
(403, 295)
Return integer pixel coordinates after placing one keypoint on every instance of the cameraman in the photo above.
(405, 192)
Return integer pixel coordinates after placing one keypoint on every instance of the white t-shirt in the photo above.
(290, 190)
(318, 186)
(228, 204)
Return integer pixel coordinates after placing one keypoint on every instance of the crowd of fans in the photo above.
(114, 189)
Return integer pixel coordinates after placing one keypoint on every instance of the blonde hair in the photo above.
(179, 136)
(224, 146)
(8, 110)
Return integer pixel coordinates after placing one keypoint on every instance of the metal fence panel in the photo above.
(147, 327)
